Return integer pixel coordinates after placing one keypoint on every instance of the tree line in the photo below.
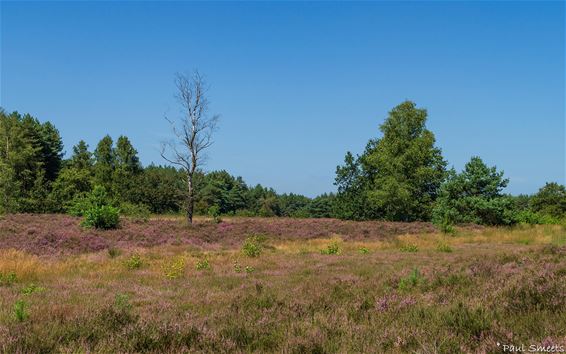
(36, 178)
(400, 176)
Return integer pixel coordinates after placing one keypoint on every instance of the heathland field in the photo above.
(278, 285)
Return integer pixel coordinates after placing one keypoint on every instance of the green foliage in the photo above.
(410, 281)
(175, 268)
(474, 196)
(535, 218)
(253, 246)
(550, 200)
(113, 252)
(7, 278)
(160, 188)
(444, 247)
(409, 247)
(398, 176)
(363, 250)
(105, 161)
(134, 262)
(96, 209)
(122, 302)
(249, 269)
(445, 225)
(137, 212)
(30, 160)
(237, 267)
(32, 288)
(203, 264)
(71, 185)
(105, 217)
(20, 311)
(214, 212)
(332, 249)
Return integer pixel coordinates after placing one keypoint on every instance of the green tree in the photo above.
(550, 200)
(474, 196)
(322, 206)
(398, 175)
(104, 165)
(82, 158)
(160, 188)
(127, 168)
(52, 150)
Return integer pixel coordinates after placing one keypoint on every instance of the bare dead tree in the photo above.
(192, 131)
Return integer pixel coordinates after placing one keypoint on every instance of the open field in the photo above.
(313, 286)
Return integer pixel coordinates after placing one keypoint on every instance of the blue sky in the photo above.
(298, 84)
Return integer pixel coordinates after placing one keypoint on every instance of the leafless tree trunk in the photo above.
(192, 131)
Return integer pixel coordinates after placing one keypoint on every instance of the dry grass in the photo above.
(496, 285)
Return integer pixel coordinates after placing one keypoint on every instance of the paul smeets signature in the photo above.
(533, 348)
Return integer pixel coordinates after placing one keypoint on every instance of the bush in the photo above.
(534, 218)
(409, 248)
(175, 269)
(203, 264)
(96, 198)
(332, 248)
(214, 213)
(32, 288)
(104, 217)
(20, 311)
(7, 278)
(134, 262)
(474, 196)
(444, 247)
(113, 252)
(412, 280)
(97, 209)
(137, 212)
(253, 246)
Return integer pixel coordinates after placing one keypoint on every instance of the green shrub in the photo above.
(533, 218)
(122, 302)
(113, 252)
(332, 248)
(20, 311)
(104, 217)
(175, 269)
(97, 209)
(137, 212)
(412, 280)
(446, 226)
(95, 198)
(363, 250)
(253, 246)
(7, 278)
(237, 267)
(409, 248)
(79, 205)
(32, 288)
(203, 264)
(250, 269)
(214, 213)
(444, 247)
(134, 262)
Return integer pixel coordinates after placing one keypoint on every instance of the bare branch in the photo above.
(193, 130)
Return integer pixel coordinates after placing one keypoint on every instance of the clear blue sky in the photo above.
(298, 84)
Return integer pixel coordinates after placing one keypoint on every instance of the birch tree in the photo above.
(192, 131)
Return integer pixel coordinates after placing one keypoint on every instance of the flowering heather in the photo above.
(68, 294)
